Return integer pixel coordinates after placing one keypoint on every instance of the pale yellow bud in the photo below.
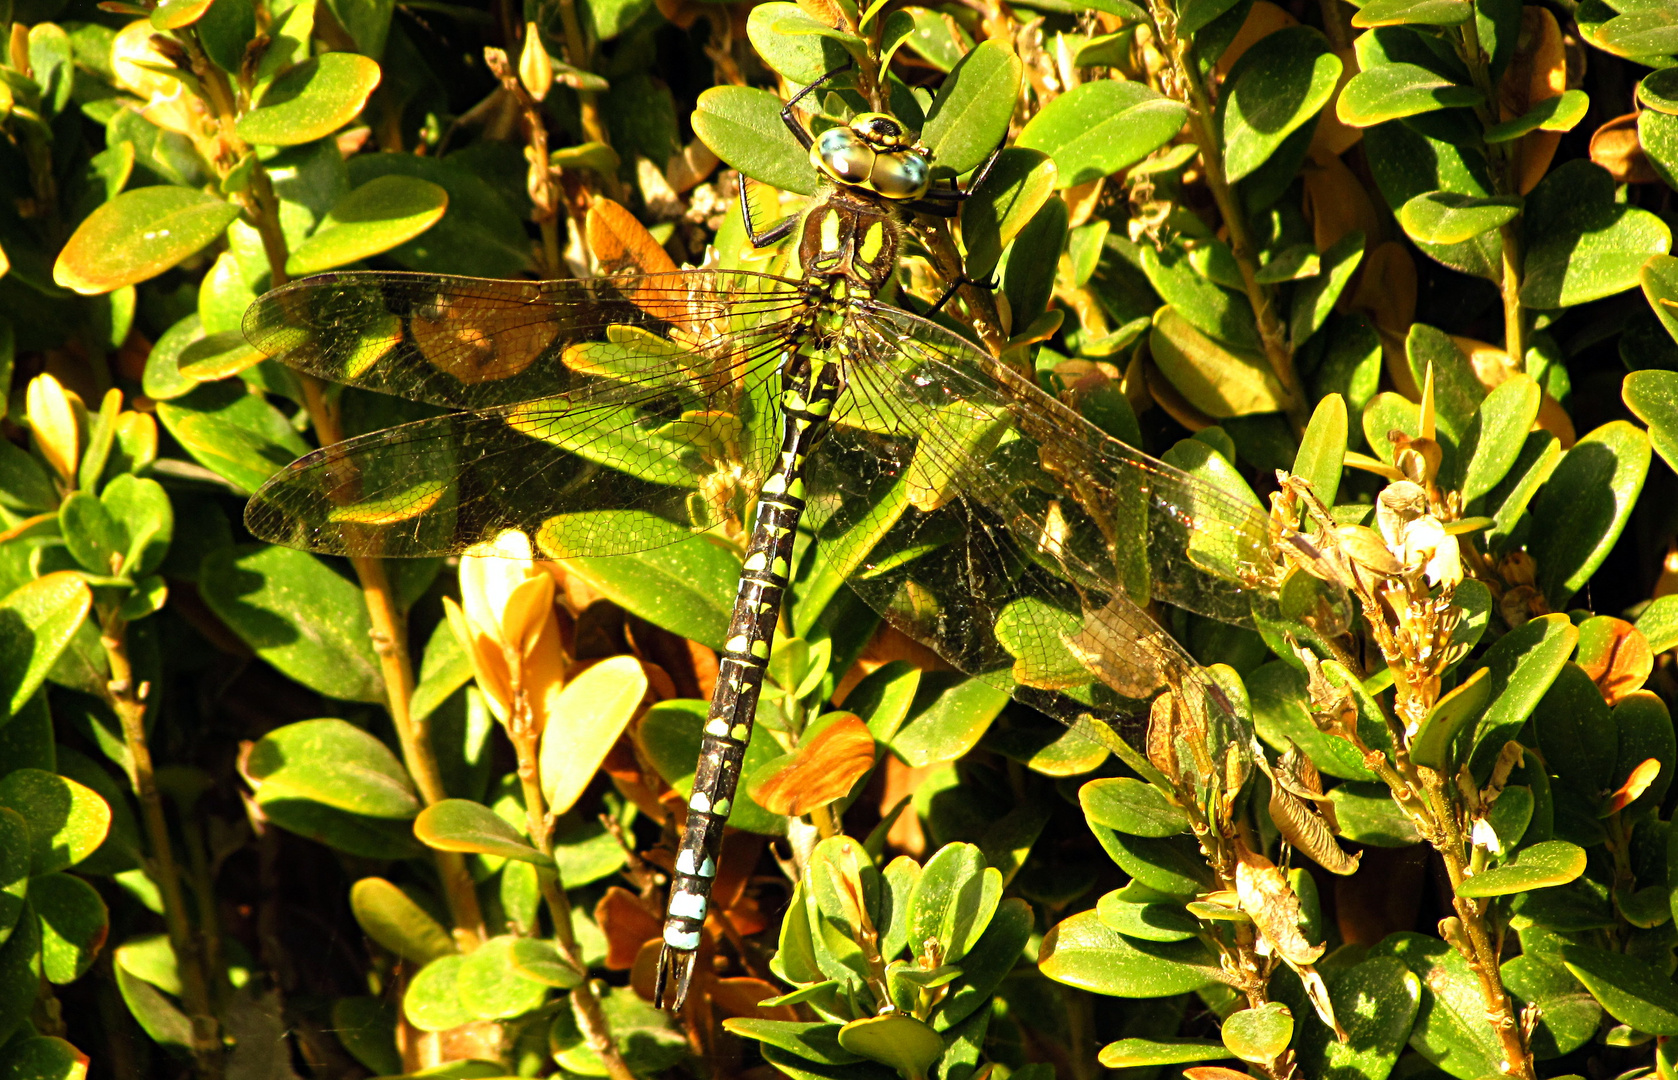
(536, 70)
(52, 417)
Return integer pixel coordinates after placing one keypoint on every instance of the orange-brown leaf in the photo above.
(1615, 146)
(1263, 19)
(627, 924)
(1636, 784)
(1336, 202)
(1537, 72)
(1214, 1072)
(1616, 656)
(739, 996)
(621, 244)
(819, 772)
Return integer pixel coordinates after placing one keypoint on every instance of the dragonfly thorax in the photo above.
(850, 238)
(875, 153)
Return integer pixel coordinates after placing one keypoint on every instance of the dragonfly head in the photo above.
(876, 153)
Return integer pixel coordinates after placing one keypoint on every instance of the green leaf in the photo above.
(367, 1028)
(543, 962)
(1553, 862)
(1657, 133)
(1576, 734)
(1215, 311)
(1014, 190)
(1659, 91)
(492, 987)
(432, 1001)
(1412, 13)
(1659, 277)
(42, 1057)
(1633, 992)
(370, 220)
(1279, 698)
(480, 235)
(387, 915)
(1445, 217)
(1141, 1053)
(1560, 113)
(1132, 806)
(1581, 244)
(1646, 32)
(795, 44)
(1314, 298)
(311, 100)
(14, 869)
(37, 621)
(1171, 865)
(1494, 438)
(810, 1041)
(1367, 814)
(742, 125)
(298, 615)
(583, 724)
(1259, 1035)
(1652, 396)
(1219, 381)
(953, 900)
(1434, 736)
(1279, 84)
(987, 963)
(670, 734)
(950, 715)
(463, 825)
(233, 433)
(898, 1040)
(73, 925)
(333, 782)
(1377, 1002)
(66, 820)
(225, 30)
(1585, 505)
(138, 235)
(1039, 244)
(1567, 1014)
(20, 972)
(687, 589)
(969, 117)
(1149, 919)
(1100, 127)
(1395, 90)
(1083, 952)
(1450, 1028)
(1659, 623)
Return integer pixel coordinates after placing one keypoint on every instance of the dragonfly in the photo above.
(612, 415)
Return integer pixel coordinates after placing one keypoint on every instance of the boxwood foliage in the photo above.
(268, 814)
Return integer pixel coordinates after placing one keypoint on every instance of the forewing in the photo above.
(473, 343)
(662, 427)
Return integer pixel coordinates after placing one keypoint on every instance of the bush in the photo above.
(1364, 786)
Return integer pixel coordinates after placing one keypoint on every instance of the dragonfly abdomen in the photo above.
(810, 388)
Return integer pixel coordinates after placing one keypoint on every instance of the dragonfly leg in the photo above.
(770, 235)
(795, 125)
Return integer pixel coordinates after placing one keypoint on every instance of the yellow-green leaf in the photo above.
(138, 235)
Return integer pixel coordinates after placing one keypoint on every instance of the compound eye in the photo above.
(839, 153)
(901, 176)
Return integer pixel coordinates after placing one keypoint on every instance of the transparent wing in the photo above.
(645, 412)
(998, 527)
(475, 343)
